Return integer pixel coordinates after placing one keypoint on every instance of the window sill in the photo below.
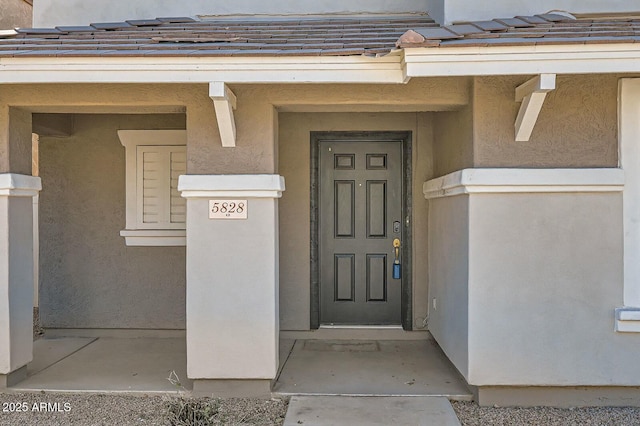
(628, 320)
(154, 237)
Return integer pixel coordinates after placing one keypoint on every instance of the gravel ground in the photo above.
(471, 414)
(38, 331)
(29, 409)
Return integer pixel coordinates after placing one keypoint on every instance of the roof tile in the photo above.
(373, 36)
(342, 52)
(144, 22)
(467, 42)
(410, 37)
(554, 17)
(76, 29)
(38, 31)
(176, 20)
(437, 33)
(464, 29)
(490, 25)
(514, 22)
(535, 20)
(560, 40)
(111, 25)
(609, 40)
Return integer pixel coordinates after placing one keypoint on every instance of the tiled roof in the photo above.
(544, 29)
(373, 36)
(189, 37)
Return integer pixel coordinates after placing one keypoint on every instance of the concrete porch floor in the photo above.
(307, 367)
(369, 368)
(107, 364)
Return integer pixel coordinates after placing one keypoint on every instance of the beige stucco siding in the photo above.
(15, 13)
(89, 278)
(464, 10)
(204, 153)
(256, 151)
(449, 277)
(77, 12)
(576, 127)
(295, 152)
(545, 276)
(523, 288)
(255, 117)
(453, 140)
(15, 140)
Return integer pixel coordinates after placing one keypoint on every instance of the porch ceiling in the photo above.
(386, 107)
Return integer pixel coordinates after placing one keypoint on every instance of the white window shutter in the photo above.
(178, 205)
(160, 205)
(155, 211)
(151, 185)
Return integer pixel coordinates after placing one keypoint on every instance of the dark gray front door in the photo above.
(360, 214)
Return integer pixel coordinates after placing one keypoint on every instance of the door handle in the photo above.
(397, 268)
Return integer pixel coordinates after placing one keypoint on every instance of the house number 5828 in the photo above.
(228, 209)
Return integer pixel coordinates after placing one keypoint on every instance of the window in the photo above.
(155, 211)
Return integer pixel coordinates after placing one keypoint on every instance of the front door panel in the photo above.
(360, 198)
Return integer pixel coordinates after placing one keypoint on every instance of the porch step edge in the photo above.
(356, 334)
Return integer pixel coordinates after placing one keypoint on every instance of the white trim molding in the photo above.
(321, 69)
(628, 320)
(224, 102)
(469, 181)
(532, 94)
(522, 60)
(166, 232)
(397, 67)
(16, 185)
(155, 237)
(629, 143)
(232, 186)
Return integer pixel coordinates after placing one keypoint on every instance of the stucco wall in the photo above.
(255, 125)
(204, 155)
(449, 277)
(15, 13)
(545, 276)
(294, 165)
(463, 10)
(453, 141)
(577, 126)
(16, 276)
(232, 325)
(79, 12)
(88, 277)
(15, 140)
(256, 121)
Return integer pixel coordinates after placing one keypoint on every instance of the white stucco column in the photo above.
(628, 316)
(232, 282)
(16, 275)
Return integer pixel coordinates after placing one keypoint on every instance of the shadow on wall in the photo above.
(89, 278)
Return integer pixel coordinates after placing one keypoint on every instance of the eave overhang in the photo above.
(338, 69)
(398, 67)
(522, 60)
